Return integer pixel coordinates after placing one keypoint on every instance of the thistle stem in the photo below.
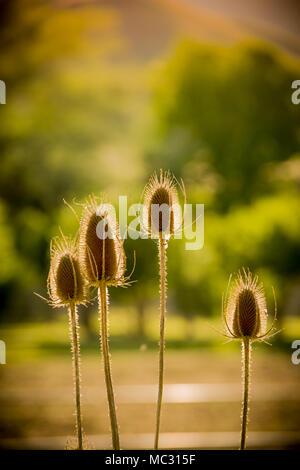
(163, 295)
(74, 330)
(103, 308)
(246, 346)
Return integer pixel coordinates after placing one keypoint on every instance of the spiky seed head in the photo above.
(101, 252)
(94, 253)
(245, 312)
(65, 281)
(67, 271)
(162, 214)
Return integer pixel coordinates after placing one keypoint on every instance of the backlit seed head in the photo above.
(101, 252)
(65, 281)
(162, 212)
(245, 311)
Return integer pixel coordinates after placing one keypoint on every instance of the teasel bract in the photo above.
(161, 219)
(244, 312)
(67, 288)
(103, 263)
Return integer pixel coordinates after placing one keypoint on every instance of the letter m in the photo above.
(154, 459)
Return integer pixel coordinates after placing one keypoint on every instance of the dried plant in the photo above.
(103, 263)
(67, 288)
(161, 220)
(245, 315)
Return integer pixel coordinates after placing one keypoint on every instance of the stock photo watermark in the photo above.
(2, 352)
(296, 353)
(296, 94)
(2, 92)
(170, 220)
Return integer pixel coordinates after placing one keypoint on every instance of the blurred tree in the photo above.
(229, 108)
(145, 277)
(263, 237)
(51, 115)
(50, 124)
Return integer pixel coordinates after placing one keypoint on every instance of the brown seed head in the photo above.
(101, 252)
(162, 213)
(245, 313)
(65, 281)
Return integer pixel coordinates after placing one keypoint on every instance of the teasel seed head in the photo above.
(102, 258)
(162, 212)
(66, 284)
(245, 309)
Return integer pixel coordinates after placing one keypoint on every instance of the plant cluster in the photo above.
(95, 260)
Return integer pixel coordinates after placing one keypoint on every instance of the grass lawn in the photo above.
(202, 396)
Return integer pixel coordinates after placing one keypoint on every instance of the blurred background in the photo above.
(99, 94)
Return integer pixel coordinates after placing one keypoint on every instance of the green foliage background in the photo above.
(77, 121)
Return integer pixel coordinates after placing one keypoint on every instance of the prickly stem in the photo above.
(74, 333)
(103, 312)
(246, 361)
(163, 300)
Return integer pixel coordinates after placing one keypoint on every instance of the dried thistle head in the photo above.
(162, 212)
(245, 309)
(101, 253)
(66, 284)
